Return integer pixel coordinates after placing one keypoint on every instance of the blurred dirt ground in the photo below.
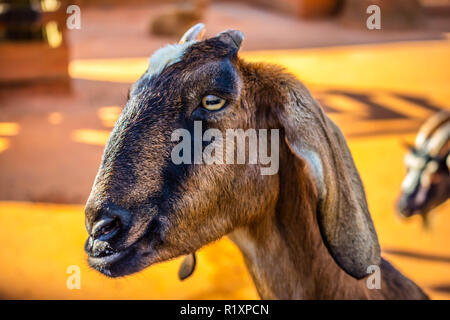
(52, 138)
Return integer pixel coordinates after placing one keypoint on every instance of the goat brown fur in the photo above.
(305, 232)
(289, 230)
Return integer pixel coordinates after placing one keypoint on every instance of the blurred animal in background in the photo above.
(427, 181)
(175, 21)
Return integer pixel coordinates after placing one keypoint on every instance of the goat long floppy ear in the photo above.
(343, 217)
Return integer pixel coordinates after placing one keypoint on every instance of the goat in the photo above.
(427, 182)
(305, 232)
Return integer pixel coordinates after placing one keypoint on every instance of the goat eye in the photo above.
(212, 102)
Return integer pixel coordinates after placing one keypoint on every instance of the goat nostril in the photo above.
(105, 227)
(109, 228)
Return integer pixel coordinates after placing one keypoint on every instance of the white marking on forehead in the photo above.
(410, 182)
(167, 56)
(420, 171)
(414, 162)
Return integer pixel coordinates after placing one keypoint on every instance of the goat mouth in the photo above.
(107, 257)
(118, 263)
(105, 262)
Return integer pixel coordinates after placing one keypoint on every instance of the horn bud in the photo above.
(194, 33)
